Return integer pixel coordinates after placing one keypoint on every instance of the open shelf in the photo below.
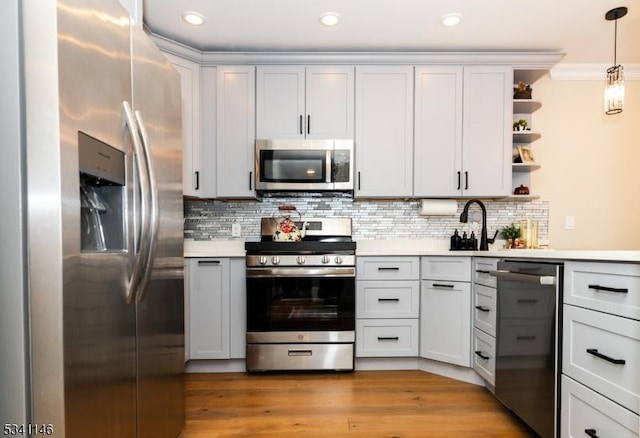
(526, 136)
(526, 106)
(525, 167)
(523, 197)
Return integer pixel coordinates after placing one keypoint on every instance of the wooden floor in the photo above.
(360, 404)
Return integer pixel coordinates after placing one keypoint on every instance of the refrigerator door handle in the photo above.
(143, 181)
(152, 236)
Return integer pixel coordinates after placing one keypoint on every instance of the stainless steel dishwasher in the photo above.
(528, 341)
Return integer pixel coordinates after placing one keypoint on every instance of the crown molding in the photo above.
(519, 60)
(591, 72)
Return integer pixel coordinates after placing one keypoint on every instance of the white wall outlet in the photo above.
(569, 223)
(236, 229)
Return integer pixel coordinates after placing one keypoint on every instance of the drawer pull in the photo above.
(482, 355)
(450, 286)
(482, 271)
(384, 300)
(300, 352)
(483, 309)
(390, 268)
(609, 289)
(591, 433)
(527, 301)
(526, 338)
(594, 352)
(388, 338)
(208, 262)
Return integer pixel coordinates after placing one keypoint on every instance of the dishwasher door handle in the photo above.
(546, 280)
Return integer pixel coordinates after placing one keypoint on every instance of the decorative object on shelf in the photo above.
(526, 154)
(511, 233)
(614, 85)
(523, 91)
(520, 125)
(522, 190)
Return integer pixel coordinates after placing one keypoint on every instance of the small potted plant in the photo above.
(511, 233)
(520, 125)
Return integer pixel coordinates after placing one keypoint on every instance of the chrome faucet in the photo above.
(464, 218)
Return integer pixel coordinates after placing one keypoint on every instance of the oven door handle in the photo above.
(301, 272)
(545, 280)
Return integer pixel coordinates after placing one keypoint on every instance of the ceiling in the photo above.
(574, 27)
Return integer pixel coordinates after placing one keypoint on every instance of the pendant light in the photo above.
(614, 85)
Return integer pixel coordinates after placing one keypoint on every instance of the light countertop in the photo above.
(419, 247)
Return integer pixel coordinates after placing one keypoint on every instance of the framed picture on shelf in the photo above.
(526, 154)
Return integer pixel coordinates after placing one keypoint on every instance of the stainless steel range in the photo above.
(301, 299)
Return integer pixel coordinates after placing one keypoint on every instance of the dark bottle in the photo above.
(464, 242)
(455, 241)
(473, 242)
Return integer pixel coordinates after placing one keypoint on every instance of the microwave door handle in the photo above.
(328, 167)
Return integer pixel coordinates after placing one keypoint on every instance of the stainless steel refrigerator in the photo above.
(92, 298)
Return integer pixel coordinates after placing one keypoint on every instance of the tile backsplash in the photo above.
(372, 219)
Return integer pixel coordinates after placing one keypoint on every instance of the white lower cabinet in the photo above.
(484, 355)
(601, 350)
(445, 310)
(485, 311)
(587, 413)
(216, 290)
(388, 306)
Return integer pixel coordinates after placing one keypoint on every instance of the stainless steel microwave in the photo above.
(304, 165)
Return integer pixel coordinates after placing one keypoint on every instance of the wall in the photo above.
(211, 220)
(589, 164)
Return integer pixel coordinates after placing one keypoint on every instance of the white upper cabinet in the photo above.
(438, 132)
(487, 131)
(315, 102)
(463, 131)
(235, 132)
(384, 131)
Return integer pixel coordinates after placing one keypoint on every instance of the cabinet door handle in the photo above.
(388, 338)
(591, 433)
(301, 131)
(450, 286)
(250, 180)
(459, 180)
(594, 352)
(482, 355)
(197, 180)
(466, 180)
(483, 309)
(390, 268)
(308, 124)
(384, 300)
(208, 262)
(358, 180)
(608, 289)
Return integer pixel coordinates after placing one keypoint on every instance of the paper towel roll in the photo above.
(438, 207)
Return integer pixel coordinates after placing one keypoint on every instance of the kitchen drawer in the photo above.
(387, 338)
(388, 299)
(584, 409)
(525, 337)
(526, 303)
(612, 336)
(484, 308)
(608, 287)
(388, 268)
(446, 268)
(481, 269)
(484, 356)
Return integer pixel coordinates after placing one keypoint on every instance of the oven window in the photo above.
(300, 303)
(293, 166)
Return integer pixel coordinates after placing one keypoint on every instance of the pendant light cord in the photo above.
(615, 41)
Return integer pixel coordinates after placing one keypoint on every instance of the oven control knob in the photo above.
(326, 259)
(339, 260)
(275, 260)
(262, 260)
(301, 260)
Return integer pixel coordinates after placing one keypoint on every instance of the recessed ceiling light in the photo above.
(450, 20)
(193, 18)
(330, 18)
